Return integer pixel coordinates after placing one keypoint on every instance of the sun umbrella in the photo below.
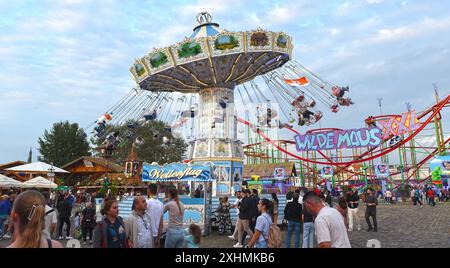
(6, 182)
(37, 167)
(39, 182)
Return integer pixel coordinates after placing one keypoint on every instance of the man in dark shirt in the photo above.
(352, 203)
(308, 229)
(254, 209)
(64, 213)
(245, 216)
(371, 210)
(293, 214)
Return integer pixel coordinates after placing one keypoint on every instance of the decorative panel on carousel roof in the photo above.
(158, 60)
(189, 50)
(282, 43)
(259, 40)
(227, 43)
(139, 71)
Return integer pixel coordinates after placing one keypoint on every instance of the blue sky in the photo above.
(69, 59)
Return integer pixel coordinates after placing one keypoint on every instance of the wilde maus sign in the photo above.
(339, 139)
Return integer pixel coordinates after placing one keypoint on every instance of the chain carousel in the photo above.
(194, 86)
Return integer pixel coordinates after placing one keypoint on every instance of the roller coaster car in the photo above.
(395, 140)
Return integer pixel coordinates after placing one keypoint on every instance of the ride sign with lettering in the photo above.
(339, 139)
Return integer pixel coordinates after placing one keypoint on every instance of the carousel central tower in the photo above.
(210, 63)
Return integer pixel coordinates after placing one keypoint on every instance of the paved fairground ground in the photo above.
(399, 226)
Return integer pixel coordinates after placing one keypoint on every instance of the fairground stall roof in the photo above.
(212, 57)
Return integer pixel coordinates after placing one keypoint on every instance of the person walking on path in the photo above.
(28, 220)
(155, 209)
(64, 213)
(236, 206)
(245, 216)
(88, 222)
(430, 195)
(175, 232)
(417, 197)
(371, 210)
(329, 223)
(388, 195)
(262, 226)
(138, 225)
(353, 203)
(293, 215)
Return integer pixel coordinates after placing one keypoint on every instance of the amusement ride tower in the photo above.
(211, 63)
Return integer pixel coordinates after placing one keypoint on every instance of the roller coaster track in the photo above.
(434, 110)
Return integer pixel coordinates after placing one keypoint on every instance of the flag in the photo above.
(302, 81)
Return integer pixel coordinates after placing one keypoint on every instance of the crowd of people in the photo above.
(33, 219)
(36, 219)
(309, 216)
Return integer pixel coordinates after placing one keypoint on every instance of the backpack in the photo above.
(274, 240)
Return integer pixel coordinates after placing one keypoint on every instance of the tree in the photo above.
(149, 139)
(64, 143)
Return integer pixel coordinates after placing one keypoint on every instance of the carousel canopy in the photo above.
(37, 167)
(39, 182)
(6, 182)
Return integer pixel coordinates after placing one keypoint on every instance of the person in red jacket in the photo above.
(430, 195)
(317, 191)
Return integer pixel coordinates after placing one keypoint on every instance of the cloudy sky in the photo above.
(69, 59)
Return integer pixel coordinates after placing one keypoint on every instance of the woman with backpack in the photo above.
(263, 223)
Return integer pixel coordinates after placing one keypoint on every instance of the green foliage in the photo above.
(64, 143)
(152, 148)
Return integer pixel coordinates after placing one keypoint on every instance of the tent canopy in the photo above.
(39, 182)
(37, 167)
(6, 182)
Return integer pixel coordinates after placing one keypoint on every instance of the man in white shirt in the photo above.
(155, 209)
(388, 195)
(329, 223)
(138, 225)
(236, 206)
(50, 218)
